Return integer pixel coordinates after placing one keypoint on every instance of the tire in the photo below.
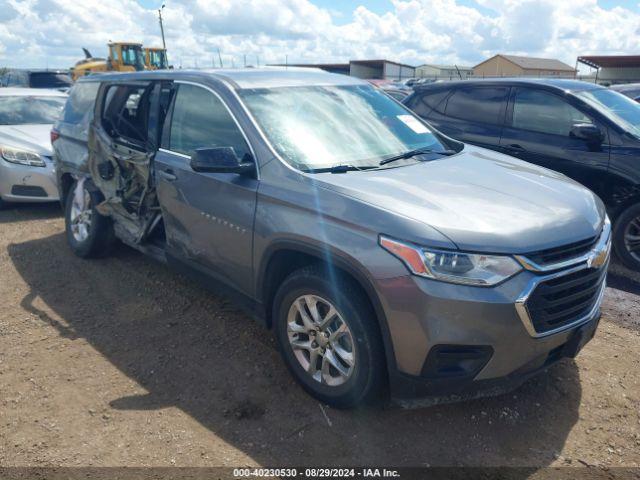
(361, 382)
(628, 224)
(97, 238)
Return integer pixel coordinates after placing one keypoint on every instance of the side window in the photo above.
(200, 120)
(544, 112)
(12, 79)
(478, 104)
(125, 113)
(631, 93)
(428, 101)
(79, 107)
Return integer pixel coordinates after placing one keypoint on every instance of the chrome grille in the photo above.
(563, 253)
(560, 301)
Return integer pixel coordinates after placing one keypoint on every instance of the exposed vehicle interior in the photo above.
(121, 161)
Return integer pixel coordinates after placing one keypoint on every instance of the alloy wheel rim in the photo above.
(321, 340)
(632, 238)
(81, 215)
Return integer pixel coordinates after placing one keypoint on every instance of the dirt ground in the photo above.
(122, 362)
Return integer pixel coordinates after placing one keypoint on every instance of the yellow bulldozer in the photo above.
(123, 57)
(155, 58)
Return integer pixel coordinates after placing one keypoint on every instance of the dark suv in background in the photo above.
(631, 90)
(54, 79)
(589, 133)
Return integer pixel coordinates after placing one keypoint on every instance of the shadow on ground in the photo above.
(622, 278)
(194, 350)
(21, 212)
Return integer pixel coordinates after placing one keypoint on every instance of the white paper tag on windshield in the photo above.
(413, 123)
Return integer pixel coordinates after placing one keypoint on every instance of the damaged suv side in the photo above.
(116, 176)
(379, 251)
(122, 146)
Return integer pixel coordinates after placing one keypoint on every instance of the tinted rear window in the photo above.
(631, 93)
(49, 80)
(423, 104)
(478, 104)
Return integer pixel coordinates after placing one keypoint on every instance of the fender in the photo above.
(331, 255)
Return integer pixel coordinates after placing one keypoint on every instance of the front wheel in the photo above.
(329, 338)
(626, 237)
(89, 234)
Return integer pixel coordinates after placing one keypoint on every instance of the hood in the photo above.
(481, 200)
(35, 138)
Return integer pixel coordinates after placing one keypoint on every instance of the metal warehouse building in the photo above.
(614, 68)
(381, 69)
(444, 71)
(514, 66)
(367, 69)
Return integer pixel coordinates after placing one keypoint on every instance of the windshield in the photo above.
(157, 59)
(323, 126)
(133, 56)
(49, 80)
(30, 110)
(618, 108)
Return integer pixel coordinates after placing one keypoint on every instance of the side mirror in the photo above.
(587, 132)
(219, 160)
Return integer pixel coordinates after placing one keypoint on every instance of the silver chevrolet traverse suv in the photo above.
(385, 256)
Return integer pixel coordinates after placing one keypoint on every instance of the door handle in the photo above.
(515, 148)
(168, 175)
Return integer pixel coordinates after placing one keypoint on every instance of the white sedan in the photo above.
(26, 168)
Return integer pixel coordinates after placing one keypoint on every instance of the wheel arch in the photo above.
(623, 206)
(286, 256)
(66, 182)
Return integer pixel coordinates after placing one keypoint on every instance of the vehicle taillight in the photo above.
(54, 135)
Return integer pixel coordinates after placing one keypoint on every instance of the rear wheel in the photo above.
(626, 237)
(89, 234)
(329, 338)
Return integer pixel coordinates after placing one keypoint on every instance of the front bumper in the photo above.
(23, 183)
(453, 342)
(412, 392)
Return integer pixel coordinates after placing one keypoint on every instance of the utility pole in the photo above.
(244, 57)
(220, 58)
(164, 45)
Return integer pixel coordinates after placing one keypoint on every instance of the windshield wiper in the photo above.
(340, 169)
(413, 153)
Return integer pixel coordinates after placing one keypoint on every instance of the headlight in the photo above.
(21, 157)
(453, 266)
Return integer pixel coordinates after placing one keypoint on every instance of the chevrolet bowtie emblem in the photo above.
(598, 257)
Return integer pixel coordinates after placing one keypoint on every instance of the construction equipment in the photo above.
(123, 57)
(155, 58)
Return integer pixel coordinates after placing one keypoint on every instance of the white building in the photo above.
(366, 69)
(380, 70)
